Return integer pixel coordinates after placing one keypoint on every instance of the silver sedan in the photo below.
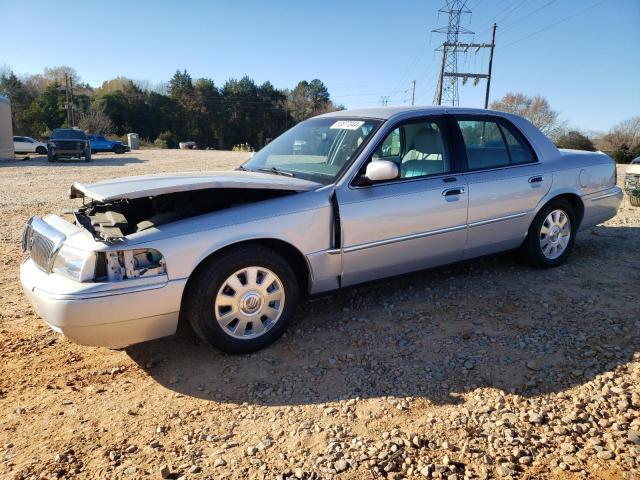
(340, 199)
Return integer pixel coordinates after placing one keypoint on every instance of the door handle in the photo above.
(536, 179)
(453, 191)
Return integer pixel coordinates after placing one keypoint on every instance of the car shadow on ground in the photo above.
(492, 322)
(97, 160)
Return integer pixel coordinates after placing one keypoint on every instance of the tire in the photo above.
(51, 157)
(118, 150)
(87, 155)
(550, 218)
(41, 151)
(210, 291)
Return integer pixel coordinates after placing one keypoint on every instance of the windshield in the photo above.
(68, 134)
(317, 149)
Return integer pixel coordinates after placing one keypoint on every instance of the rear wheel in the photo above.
(243, 300)
(551, 235)
(87, 155)
(41, 150)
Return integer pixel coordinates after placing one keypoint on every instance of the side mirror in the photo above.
(380, 170)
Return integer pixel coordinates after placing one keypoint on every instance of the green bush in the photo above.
(166, 140)
(160, 143)
(624, 154)
(575, 140)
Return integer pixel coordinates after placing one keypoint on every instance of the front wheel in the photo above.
(551, 235)
(51, 157)
(118, 149)
(87, 155)
(242, 300)
(41, 150)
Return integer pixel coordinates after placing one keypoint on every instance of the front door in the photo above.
(411, 223)
(505, 183)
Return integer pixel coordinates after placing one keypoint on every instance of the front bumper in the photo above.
(110, 315)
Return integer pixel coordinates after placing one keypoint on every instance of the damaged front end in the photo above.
(114, 220)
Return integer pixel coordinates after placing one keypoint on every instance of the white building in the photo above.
(6, 130)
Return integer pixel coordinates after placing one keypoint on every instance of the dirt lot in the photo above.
(484, 369)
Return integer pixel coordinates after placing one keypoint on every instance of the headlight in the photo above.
(75, 264)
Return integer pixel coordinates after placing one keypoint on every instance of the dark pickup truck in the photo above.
(68, 143)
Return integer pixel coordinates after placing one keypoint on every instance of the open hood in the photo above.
(154, 185)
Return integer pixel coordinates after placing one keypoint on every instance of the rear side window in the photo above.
(484, 144)
(492, 145)
(519, 149)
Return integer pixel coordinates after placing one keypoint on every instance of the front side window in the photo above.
(492, 145)
(418, 148)
(318, 149)
(390, 147)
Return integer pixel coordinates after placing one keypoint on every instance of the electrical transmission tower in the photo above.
(447, 91)
(448, 86)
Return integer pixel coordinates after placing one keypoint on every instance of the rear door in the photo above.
(505, 183)
(414, 222)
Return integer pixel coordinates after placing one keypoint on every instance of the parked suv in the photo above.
(29, 145)
(68, 143)
(101, 144)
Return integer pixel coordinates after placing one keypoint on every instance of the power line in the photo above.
(556, 23)
(509, 26)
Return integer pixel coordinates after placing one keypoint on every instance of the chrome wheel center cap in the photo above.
(554, 234)
(251, 303)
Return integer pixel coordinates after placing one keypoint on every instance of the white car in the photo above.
(29, 145)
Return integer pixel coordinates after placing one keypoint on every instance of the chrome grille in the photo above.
(42, 242)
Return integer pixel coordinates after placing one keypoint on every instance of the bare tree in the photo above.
(95, 120)
(535, 109)
(623, 134)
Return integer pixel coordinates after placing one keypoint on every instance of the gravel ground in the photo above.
(480, 370)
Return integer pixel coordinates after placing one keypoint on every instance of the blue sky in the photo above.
(587, 66)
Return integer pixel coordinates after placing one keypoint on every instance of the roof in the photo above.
(385, 113)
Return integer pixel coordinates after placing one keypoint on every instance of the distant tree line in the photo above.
(238, 112)
(622, 142)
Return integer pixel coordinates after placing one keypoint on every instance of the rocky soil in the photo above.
(486, 369)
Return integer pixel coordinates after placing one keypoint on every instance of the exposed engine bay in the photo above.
(110, 221)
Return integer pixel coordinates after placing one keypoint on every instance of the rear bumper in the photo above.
(601, 206)
(114, 317)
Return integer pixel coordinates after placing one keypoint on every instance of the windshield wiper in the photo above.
(276, 171)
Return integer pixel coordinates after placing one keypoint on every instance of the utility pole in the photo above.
(73, 114)
(439, 94)
(493, 45)
(448, 91)
(68, 100)
(413, 95)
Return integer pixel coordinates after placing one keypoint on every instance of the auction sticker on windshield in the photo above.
(347, 124)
